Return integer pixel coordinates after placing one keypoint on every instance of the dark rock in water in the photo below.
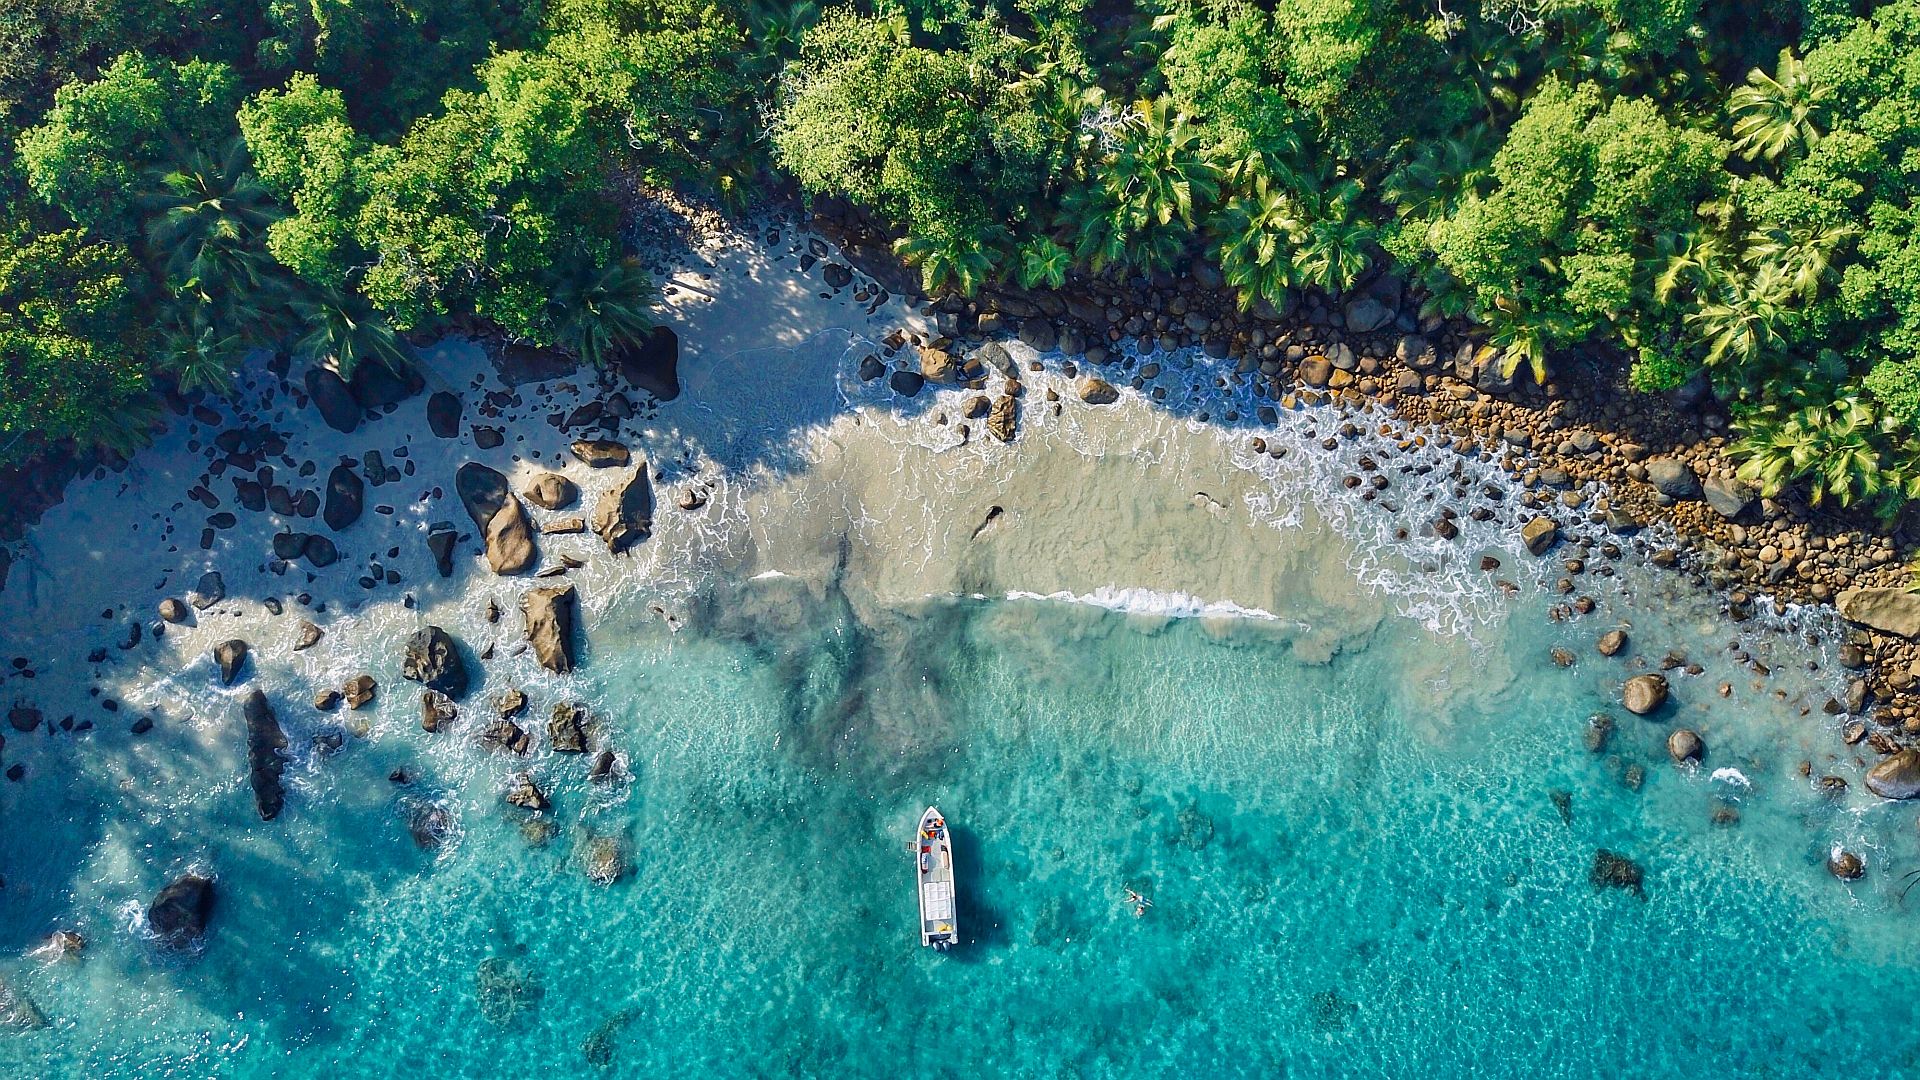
(333, 398)
(549, 614)
(604, 858)
(603, 765)
(23, 717)
(1611, 642)
(346, 498)
(1599, 732)
(1846, 865)
(429, 824)
(1561, 655)
(1615, 871)
(511, 703)
(624, 515)
(1539, 535)
(871, 368)
(1562, 804)
(289, 545)
(524, 793)
(598, 1046)
(211, 589)
(179, 912)
(440, 541)
(483, 491)
(18, 1011)
(507, 735)
(433, 660)
(1643, 694)
(1684, 746)
(566, 730)
(505, 989)
(375, 385)
(229, 655)
(906, 383)
(173, 611)
(437, 711)
(320, 551)
(359, 690)
(265, 741)
(551, 491)
(602, 453)
(1897, 776)
(307, 636)
(443, 414)
(836, 275)
(654, 366)
(487, 437)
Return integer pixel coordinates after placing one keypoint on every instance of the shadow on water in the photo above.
(985, 925)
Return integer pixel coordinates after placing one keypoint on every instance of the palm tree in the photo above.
(1802, 256)
(1043, 260)
(1440, 174)
(1335, 249)
(208, 225)
(1255, 234)
(199, 354)
(1146, 193)
(344, 328)
(1690, 260)
(1835, 444)
(1743, 323)
(1526, 337)
(597, 311)
(1776, 115)
(949, 257)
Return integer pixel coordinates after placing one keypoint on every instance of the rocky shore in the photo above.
(1584, 447)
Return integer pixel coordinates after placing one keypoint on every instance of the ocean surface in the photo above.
(1338, 760)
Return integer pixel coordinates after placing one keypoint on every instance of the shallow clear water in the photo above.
(1342, 800)
(1353, 870)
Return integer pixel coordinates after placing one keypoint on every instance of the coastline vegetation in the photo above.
(1712, 191)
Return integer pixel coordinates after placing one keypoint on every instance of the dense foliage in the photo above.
(1719, 192)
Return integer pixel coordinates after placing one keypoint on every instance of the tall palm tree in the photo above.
(1802, 255)
(1742, 323)
(201, 355)
(1335, 248)
(208, 224)
(1043, 261)
(946, 257)
(1256, 232)
(1777, 115)
(599, 310)
(344, 328)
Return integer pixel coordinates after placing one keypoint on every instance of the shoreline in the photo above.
(910, 345)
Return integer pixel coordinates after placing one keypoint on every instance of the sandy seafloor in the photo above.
(1327, 750)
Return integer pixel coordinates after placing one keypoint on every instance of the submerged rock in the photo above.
(505, 989)
(265, 741)
(604, 858)
(624, 515)
(179, 912)
(549, 615)
(18, 1011)
(433, 660)
(1846, 865)
(429, 824)
(1612, 870)
(1599, 732)
(523, 792)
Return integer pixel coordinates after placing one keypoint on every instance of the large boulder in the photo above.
(1897, 776)
(654, 365)
(938, 366)
(441, 538)
(230, 655)
(1673, 478)
(179, 912)
(1729, 498)
(265, 741)
(433, 660)
(375, 385)
(906, 383)
(346, 497)
(1643, 694)
(1685, 746)
(602, 453)
(509, 539)
(549, 613)
(1539, 535)
(567, 729)
(1896, 611)
(1003, 417)
(551, 491)
(443, 414)
(1365, 314)
(483, 491)
(333, 398)
(624, 516)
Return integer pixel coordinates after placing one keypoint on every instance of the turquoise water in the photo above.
(1356, 865)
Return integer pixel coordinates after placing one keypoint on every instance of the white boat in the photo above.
(933, 869)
